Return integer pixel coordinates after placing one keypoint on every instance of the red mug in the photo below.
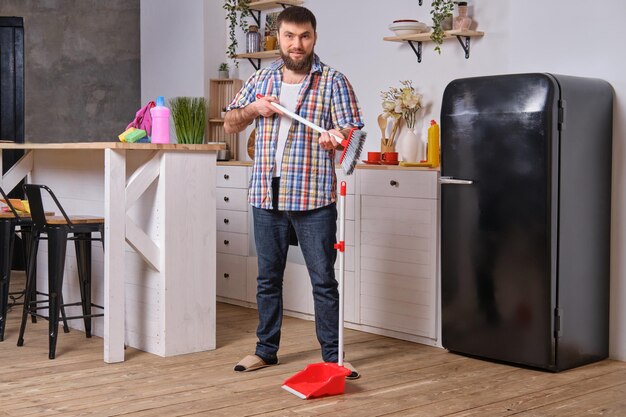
(373, 157)
(390, 157)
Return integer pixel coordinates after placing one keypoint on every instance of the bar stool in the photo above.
(58, 230)
(9, 222)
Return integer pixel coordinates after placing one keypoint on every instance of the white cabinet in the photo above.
(232, 230)
(398, 251)
(391, 280)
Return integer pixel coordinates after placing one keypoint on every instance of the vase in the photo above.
(410, 147)
(462, 21)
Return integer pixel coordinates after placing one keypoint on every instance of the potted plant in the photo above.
(190, 116)
(440, 11)
(223, 70)
(236, 13)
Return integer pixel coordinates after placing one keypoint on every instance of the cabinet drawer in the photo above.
(398, 216)
(396, 183)
(233, 243)
(407, 254)
(231, 276)
(230, 176)
(232, 199)
(232, 221)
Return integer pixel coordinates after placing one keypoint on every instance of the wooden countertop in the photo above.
(394, 167)
(359, 166)
(213, 146)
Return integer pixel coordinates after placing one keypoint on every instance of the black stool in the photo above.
(9, 221)
(58, 230)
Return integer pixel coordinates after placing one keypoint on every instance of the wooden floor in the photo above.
(399, 379)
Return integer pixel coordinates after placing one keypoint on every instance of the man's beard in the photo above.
(301, 66)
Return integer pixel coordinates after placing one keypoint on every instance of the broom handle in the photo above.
(342, 231)
(303, 120)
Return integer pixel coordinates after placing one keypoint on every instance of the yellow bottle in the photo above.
(433, 144)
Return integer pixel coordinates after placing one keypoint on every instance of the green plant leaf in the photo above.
(190, 116)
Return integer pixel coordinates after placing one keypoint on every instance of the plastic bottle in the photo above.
(433, 144)
(160, 122)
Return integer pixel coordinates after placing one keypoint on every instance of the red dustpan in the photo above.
(325, 378)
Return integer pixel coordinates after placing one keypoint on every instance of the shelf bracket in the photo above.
(258, 63)
(418, 50)
(420, 2)
(466, 45)
(256, 16)
(288, 5)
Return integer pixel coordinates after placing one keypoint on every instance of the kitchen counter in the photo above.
(358, 166)
(156, 276)
(214, 146)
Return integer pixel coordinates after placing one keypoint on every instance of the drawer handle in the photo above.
(393, 183)
(226, 199)
(226, 221)
(226, 276)
(226, 242)
(226, 176)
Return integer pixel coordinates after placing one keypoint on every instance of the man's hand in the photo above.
(236, 120)
(328, 142)
(263, 107)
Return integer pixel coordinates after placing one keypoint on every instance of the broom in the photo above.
(352, 147)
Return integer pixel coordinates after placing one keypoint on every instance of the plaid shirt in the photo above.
(307, 177)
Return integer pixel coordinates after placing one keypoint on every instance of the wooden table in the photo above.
(158, 201)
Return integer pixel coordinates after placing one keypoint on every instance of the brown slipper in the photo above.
(252, 363)
(354, 374)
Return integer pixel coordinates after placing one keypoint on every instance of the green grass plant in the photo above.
(190, 116)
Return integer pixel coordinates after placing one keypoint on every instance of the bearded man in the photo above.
(293, 184)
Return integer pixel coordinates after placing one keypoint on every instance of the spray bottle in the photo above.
(433, 144)
(160, 122)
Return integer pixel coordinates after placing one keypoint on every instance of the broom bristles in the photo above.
(352, 151)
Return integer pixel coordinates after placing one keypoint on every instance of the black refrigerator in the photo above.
(525, 218)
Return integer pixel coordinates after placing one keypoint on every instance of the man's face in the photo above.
(296, 42)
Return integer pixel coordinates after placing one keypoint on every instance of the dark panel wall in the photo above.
(82, 67)
(11, 79)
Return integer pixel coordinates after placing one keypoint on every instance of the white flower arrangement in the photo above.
(401, 104)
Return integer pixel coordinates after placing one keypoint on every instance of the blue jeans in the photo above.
(315, 230)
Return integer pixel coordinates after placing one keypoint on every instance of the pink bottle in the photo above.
(160, 122)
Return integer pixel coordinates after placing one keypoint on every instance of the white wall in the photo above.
(172, 50)
(520, 36)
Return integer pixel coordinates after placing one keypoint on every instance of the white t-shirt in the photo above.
(288, 99)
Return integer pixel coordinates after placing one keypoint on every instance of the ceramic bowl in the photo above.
(405, 27)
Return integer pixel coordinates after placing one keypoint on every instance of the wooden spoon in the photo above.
(382, 123)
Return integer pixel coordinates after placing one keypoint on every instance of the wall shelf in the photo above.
(258, 6)
(258, 56)
(463, 36)
(273, 4)
(221, 92)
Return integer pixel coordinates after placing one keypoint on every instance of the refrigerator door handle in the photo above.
(454, 181)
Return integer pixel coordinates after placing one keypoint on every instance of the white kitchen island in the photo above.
(156, 276)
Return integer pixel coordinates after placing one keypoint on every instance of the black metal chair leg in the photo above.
(7, 237)
(83, 259)
(30, 291)
(27, 239)
(57, 244)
